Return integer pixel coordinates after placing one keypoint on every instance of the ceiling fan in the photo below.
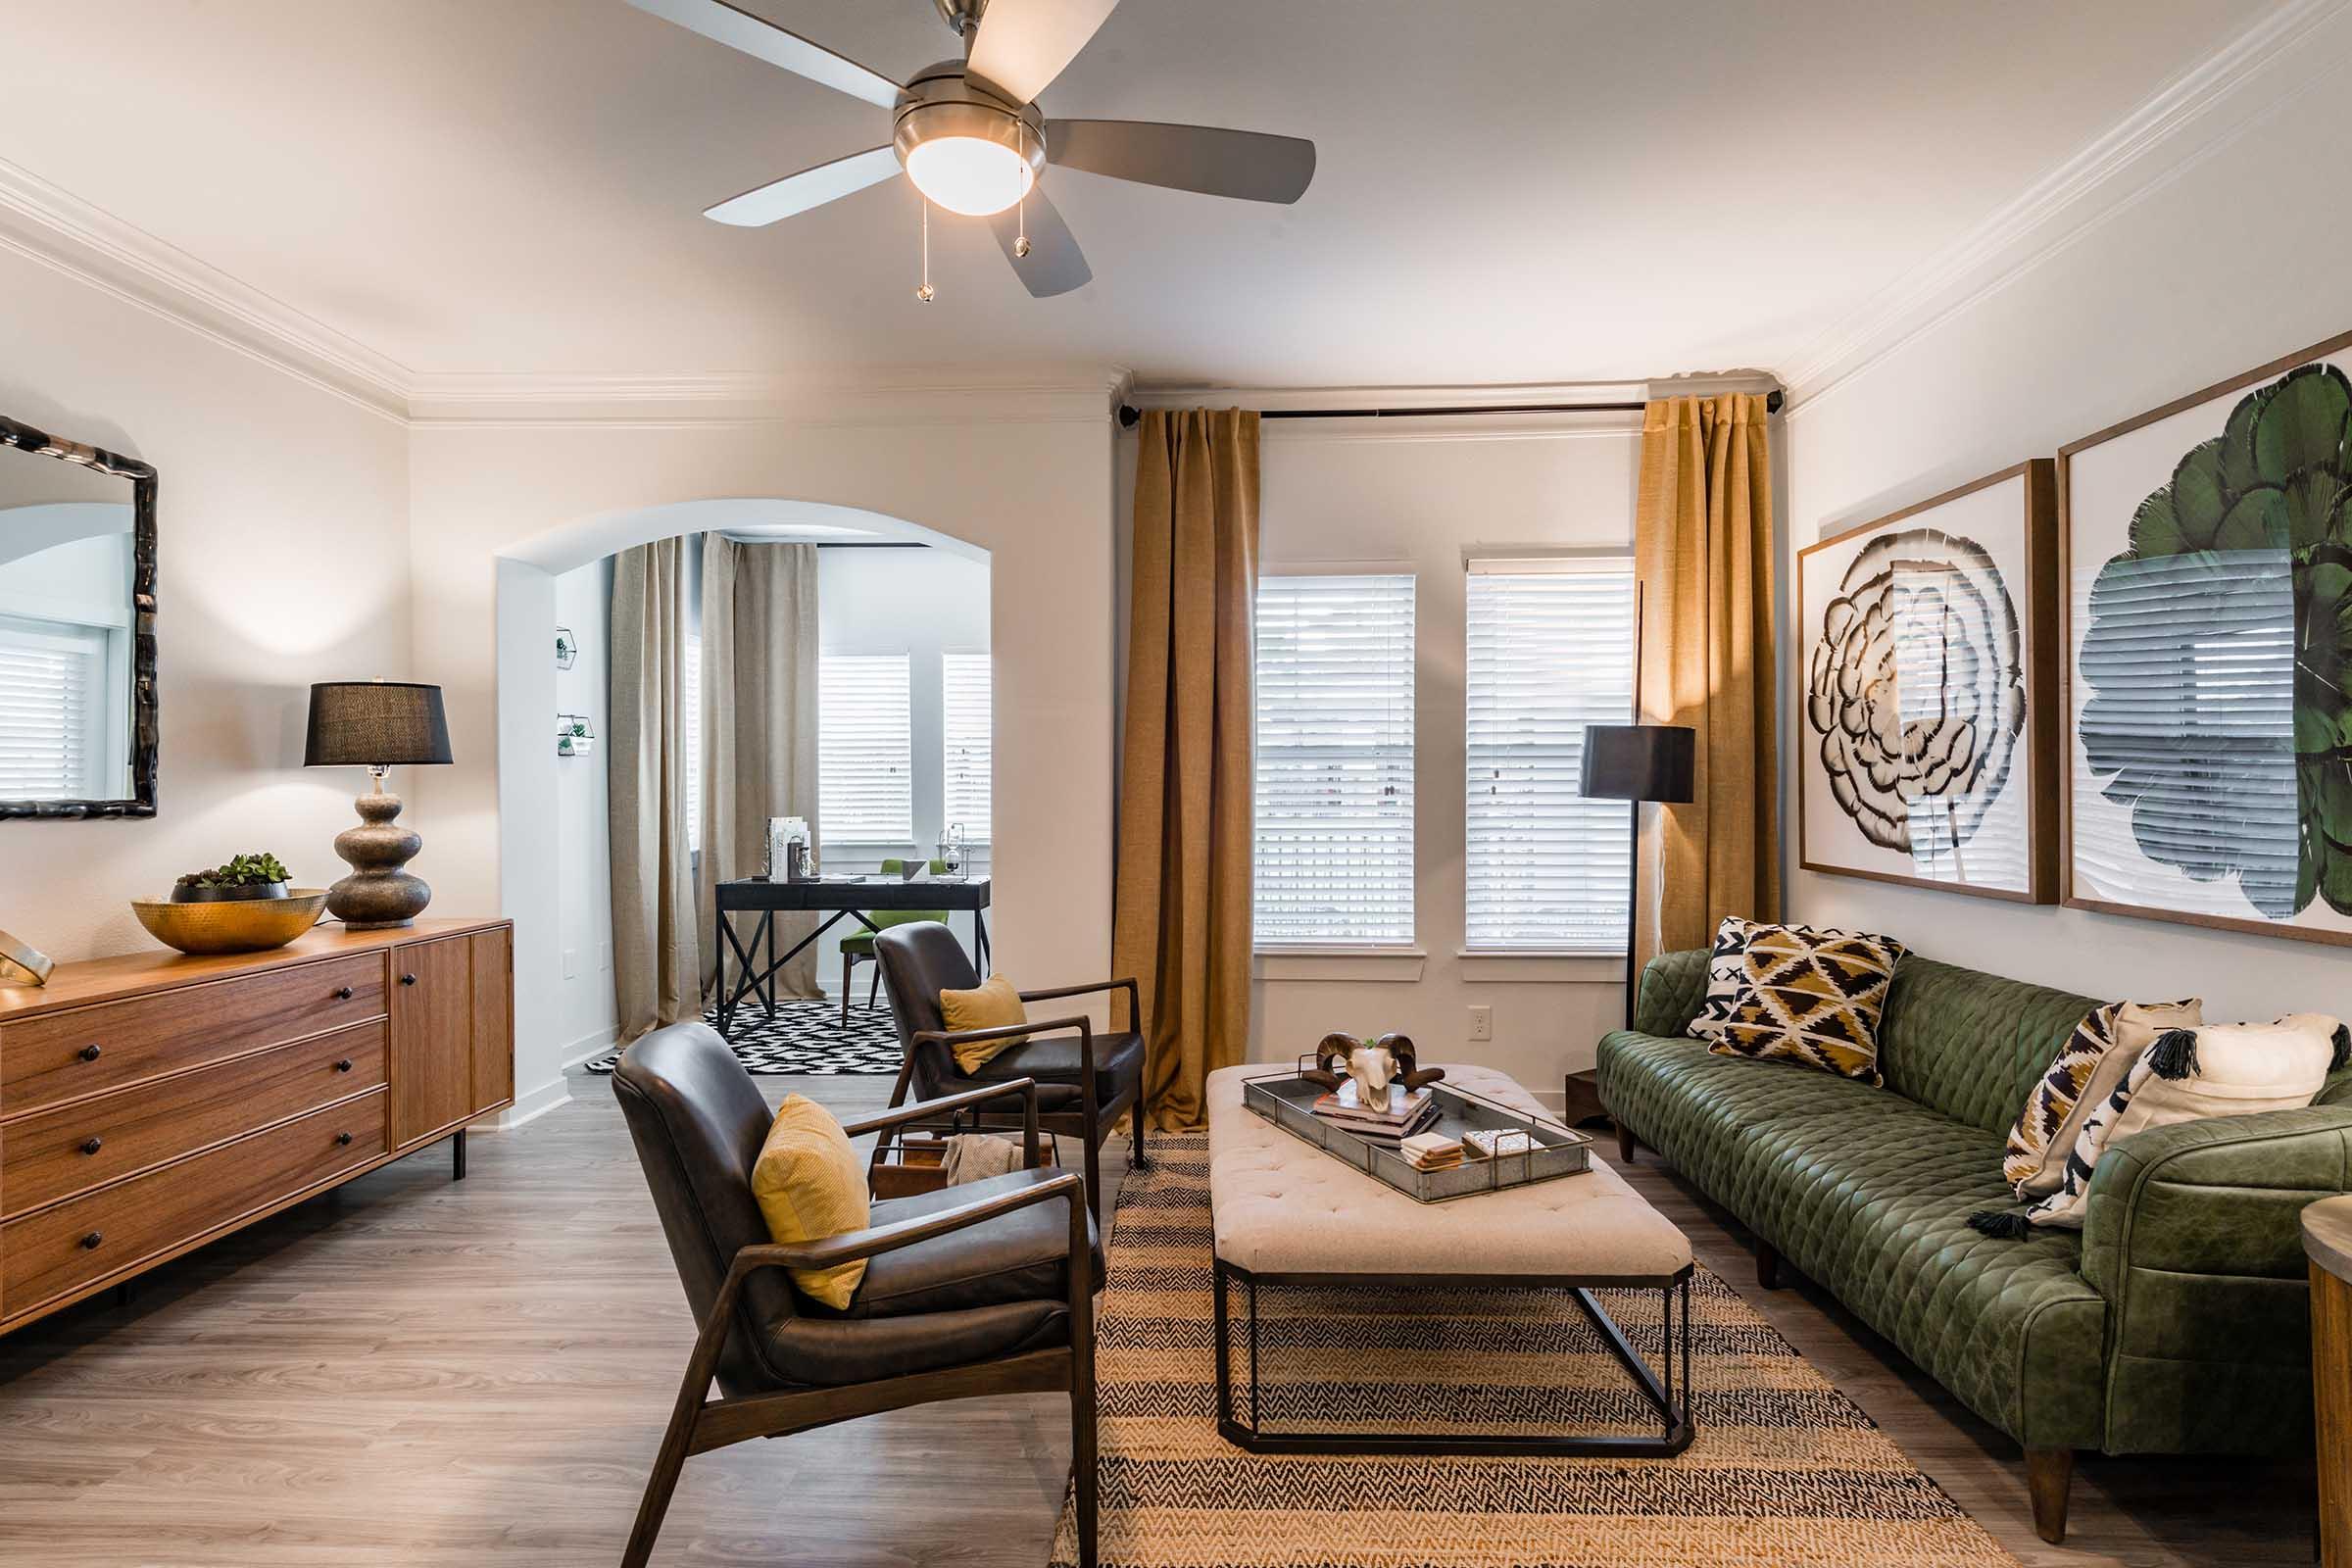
(970, 136)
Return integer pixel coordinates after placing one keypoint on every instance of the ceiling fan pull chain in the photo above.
(1021, 215)
(924, 289)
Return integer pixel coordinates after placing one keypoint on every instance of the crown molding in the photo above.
(50, 225)
(1045, 395)
(2287, 52)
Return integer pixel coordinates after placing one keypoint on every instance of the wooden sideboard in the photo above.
(150, 1104)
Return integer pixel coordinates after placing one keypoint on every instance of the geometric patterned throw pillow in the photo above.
(1814, 999)
(2088, 1067)
(1728, 984)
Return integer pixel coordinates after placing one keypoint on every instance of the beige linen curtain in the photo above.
(758, 726)
(654, 974)
(1702, 551)
(1181, 923)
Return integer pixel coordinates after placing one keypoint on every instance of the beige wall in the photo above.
(281, 529)
(2161, 298)
(1034, 491)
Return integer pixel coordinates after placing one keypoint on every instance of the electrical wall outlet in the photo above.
(572, 962)
(1482, 1021)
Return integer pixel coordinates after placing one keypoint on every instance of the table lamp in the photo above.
(377, 725)
(1637, 762)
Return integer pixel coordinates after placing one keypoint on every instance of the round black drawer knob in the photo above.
(89, 1053)
(408, 979)
(90, 1241)
(342, 1137)
(344, 1065)
(93, 1146)
(342, 992)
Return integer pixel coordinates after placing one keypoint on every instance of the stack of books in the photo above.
(1430, 1151)
(1406, 1112)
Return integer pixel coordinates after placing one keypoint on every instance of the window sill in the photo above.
(1402, 964)
(1539, 966)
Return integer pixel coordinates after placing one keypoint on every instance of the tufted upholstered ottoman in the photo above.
(1287, 1213)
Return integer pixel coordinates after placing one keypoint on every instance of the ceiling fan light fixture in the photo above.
(965, 151)
(968, 174)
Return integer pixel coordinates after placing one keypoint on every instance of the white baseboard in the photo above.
(529, 1106)
(589, 1047)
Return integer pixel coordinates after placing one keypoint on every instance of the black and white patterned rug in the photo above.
(806, 1037)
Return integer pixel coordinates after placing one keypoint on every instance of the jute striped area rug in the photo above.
(1785, 1469)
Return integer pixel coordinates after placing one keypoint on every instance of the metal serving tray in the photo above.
(1286, 1098)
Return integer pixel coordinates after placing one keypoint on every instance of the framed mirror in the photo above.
(77, 709)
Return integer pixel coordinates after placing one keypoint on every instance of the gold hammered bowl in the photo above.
(242, 925)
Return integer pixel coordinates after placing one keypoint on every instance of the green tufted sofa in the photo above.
(2177, 1321)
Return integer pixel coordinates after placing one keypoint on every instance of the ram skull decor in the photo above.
(1373, 1066)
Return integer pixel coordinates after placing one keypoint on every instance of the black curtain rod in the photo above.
(1129, 415)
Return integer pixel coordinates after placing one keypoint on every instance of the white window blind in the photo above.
(690, 700)
(1551, 651)
(965, 689)
(1334, 761)
(864, 792)
(51, 736)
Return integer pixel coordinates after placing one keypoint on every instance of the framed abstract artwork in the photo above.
(1929, 723)
(2207, 552)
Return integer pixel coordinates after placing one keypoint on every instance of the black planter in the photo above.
(183, 893)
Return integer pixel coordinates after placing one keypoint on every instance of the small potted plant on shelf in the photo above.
(242, 877)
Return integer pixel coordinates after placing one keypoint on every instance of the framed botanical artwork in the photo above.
(1929, 723)
(2207, 550)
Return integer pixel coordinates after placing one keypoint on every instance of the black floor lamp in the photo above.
(1637, 762)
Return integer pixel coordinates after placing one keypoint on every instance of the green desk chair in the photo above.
(859, 949)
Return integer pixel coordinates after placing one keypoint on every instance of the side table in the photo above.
(2328, 1243)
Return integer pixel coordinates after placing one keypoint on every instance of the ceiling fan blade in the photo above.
(810, 187)
(1248, 164)
(1055, 264)
(753, 36)
(1023, 44)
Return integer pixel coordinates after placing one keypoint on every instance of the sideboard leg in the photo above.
(456, 1156)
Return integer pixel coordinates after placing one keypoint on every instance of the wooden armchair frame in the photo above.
(699, 1424)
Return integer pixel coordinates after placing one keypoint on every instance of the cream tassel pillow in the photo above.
(2222, 1070)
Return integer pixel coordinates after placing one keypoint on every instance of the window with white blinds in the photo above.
(52, 735)
(1551, 651)
(964, 694)
(690, 701)
(1334, 761)
(864, 771)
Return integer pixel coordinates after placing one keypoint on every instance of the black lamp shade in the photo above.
(376, 723)
(1640, 762)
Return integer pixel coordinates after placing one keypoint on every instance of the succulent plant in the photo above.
(2244, 559)
(239, 871)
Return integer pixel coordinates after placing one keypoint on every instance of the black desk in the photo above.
(847, 896)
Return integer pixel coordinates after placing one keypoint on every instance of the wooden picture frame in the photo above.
(145, 724)
(2022, 803)
(2214, 406)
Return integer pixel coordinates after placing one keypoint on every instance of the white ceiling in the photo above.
(1508, 191)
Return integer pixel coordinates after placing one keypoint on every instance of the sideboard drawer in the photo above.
(65, 1056)
(51, 1253)
(71, 1149)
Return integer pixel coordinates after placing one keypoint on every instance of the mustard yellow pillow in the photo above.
(992, 1007)
(810, 1185)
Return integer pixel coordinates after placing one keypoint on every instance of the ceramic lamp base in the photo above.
(379, 894)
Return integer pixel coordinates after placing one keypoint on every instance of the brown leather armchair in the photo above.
(986, 1288)
(1085, 1081)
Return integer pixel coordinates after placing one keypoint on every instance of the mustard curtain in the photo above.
(1704, 554)
(1181, 917)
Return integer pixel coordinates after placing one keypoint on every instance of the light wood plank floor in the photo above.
(424, 1375)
